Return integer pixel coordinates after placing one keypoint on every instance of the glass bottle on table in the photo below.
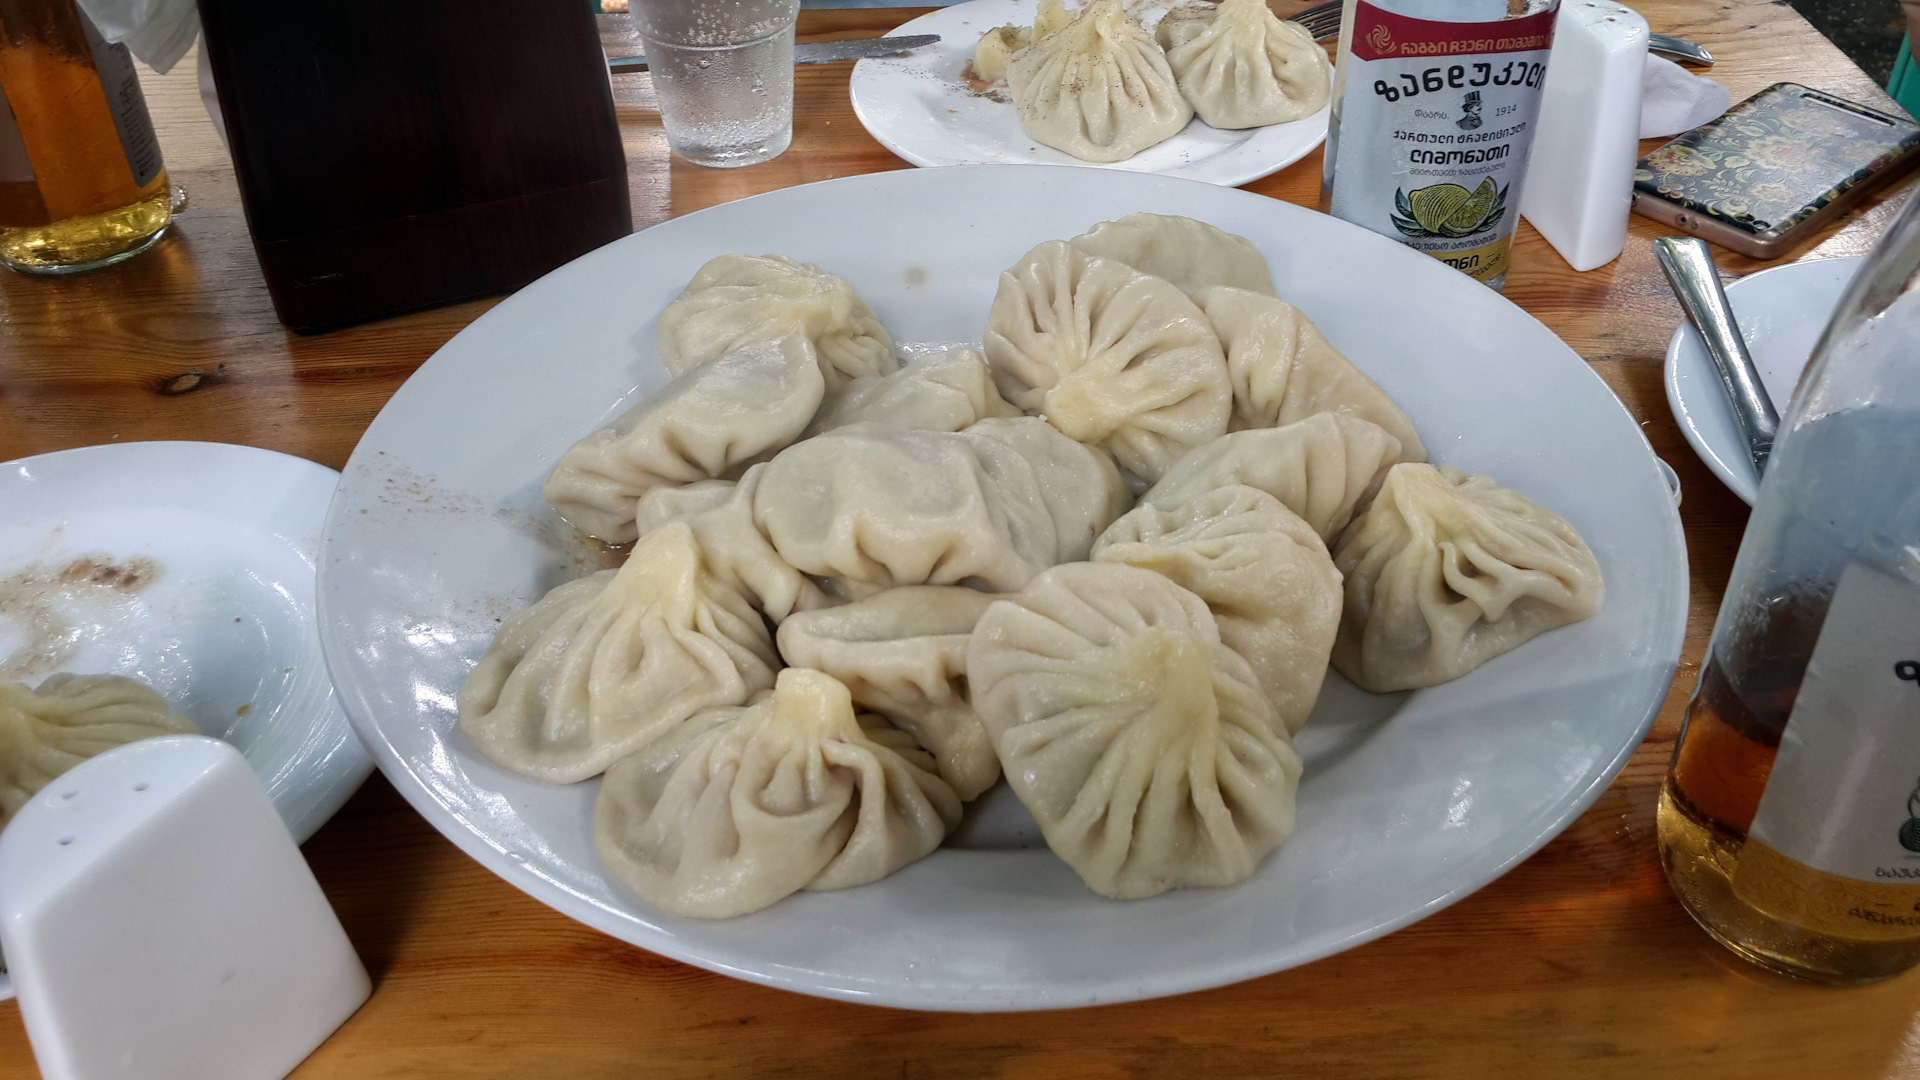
(81, 181)
(1789, 824)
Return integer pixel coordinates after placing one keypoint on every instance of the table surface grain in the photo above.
(1577, 963)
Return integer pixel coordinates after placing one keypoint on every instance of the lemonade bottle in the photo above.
(1434, 107)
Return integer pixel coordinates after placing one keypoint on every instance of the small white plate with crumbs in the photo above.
(921, 107)
(188, 566)
(1409, 801)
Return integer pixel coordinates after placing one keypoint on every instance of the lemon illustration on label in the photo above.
(1449, 210)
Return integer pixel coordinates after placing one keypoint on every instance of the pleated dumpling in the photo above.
(1144, 747)
(903, 654)
(735, 550)
(708, 421)
(1241, 66)
(869, 507)
(1191, 254)
(1323, 468)
(1099, 88)
(1079, 485)
(1284, 369)
(997, 46)
(68, 719)
(601, 666)
(1263, 572)
(738, 299)
(941, 391)
(1446, 571)
(746, 807)
(1112, 357)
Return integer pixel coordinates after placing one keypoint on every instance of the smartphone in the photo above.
(1774, 169)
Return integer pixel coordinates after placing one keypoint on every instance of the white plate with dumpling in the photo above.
(922, 107)
(1407, 801)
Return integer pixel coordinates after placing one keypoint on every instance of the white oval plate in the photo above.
(1782, 311)
(221, 542)
(920, 108)
(1409, 803)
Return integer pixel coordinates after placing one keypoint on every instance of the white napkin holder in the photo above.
(159, 922)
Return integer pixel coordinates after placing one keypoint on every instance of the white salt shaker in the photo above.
(1579, 187)
(160, 923)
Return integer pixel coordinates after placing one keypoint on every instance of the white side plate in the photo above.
(217, 614)
(1409, 802)
(1782, 312)
(920, 107)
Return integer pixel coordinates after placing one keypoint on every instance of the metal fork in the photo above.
(1320, 20)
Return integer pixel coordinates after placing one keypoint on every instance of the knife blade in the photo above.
(817, 52)
(1679, 49)
(1696, 282)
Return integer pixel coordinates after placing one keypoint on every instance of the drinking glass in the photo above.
(724, 73)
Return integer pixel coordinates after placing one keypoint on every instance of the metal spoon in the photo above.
(1696, 281)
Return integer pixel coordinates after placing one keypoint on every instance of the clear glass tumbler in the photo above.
(724, 72)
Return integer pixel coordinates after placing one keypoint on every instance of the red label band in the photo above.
(1382, 35)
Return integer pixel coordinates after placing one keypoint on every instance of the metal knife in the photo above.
(1696, 281)
(1679, 49)
(819, 52)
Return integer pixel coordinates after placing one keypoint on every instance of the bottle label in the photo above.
(129, 107)
(1844, 793)
(1435, 124)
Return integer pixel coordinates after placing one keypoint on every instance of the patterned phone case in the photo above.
(1775, 160)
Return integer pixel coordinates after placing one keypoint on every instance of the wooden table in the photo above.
(1577, 963)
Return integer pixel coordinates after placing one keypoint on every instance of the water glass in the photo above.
(724, 73)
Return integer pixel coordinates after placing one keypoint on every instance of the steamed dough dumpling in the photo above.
(869, 507)
(1264, 574)
(68, 719)
(705, 423)
(1445, 571)
(1241, 66)
(748, 806)
(736, 300)
(1323, 468)
(1098, 89)
(941, 391)
(1284, 370)
(1144, 747)
(1190, 254)
(1112, 357)
(1079, 485)
(734, 549)
(600, 667)
(903, 654)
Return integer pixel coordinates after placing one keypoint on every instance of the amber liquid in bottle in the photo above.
(81, 184)
(1771, 909)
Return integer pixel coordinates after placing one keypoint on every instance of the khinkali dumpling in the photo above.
(1241, 66)
(735, 550)
(1283, 369)
(1264, 574)
(997, 46)
(1142, 745)
(790, 793)
(1111, 356)
(1446, 571)
(1099, 89)
(601, 666)
(738, 299)
(1323, 468)
(69, 719)
(1079, 485)
(706, 422)
(871, 507)
(941, 391)
(1191, 254)
(903, 654)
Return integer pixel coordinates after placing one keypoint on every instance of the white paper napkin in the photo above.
(157, 31)
(1672, 100)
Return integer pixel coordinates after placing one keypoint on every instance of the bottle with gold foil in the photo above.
(81, 182)
(1789, 824)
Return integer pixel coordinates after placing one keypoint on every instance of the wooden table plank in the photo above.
(1578, 963)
